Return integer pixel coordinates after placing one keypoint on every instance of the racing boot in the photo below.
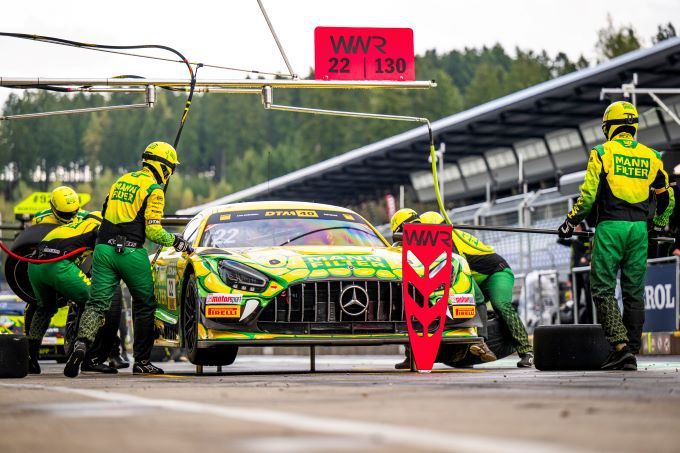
(146, 367)
(482, 351)
(97, 367)
(526, 360)
(76, 357)
(403, 365)
(620, 359)
(118, 362)
(33, 355)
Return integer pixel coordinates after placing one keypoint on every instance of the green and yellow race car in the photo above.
(287, 274)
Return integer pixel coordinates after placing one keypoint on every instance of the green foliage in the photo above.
(614, 41)
(664, 32)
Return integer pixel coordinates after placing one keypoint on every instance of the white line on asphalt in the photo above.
(418, 438)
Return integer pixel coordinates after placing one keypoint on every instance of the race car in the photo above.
(12, 322)
(290, 274)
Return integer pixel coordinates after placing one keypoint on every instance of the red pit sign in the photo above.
(345, 53)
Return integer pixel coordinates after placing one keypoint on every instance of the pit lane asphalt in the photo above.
(354, 403)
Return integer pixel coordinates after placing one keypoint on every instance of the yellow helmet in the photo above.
(64, 203)
(621, 114)
(431, 218)
(161, 158)
(401, 217)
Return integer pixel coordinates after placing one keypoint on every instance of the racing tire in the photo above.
(578, 347)
(217, 356)
(13, 356)
(16, 272)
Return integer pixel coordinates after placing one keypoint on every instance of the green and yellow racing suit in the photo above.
(496, 280)
(47, 216)
(620, 178)
(61, 277)
(132, 212)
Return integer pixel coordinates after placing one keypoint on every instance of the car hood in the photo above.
(292, 264)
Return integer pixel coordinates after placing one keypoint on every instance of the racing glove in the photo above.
(182, 245)
(566, 230)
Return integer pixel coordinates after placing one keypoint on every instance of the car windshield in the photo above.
(264, 228)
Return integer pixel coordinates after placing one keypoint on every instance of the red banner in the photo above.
(422, 246)
(344, 53)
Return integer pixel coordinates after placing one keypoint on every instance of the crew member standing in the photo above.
(496, 281)
(132, 212)
(64, 277)
(620, 176)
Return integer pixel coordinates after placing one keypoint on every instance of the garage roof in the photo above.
(566, 102)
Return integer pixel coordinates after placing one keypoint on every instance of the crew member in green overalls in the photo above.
(620, 178)
(64, 208)
(481, 349)
(132, 212)
(496, 280)
(64, 277)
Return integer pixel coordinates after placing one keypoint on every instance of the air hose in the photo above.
(435, 176)
(50, 260)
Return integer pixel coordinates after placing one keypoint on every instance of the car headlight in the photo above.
(240, 276)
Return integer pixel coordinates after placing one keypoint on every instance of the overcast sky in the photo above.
(234, 33)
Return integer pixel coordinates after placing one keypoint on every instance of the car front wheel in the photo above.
(215, 356)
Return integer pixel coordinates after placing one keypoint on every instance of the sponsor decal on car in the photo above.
(464, 312)
(223, 299)
(461, 299)
(295, 213)
(223, 311)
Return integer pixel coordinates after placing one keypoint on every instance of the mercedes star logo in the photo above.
(354, 300)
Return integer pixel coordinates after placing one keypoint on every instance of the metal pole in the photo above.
(401, 196)
(518, 230)
(276, 38)
(440, 156)
(32, 82)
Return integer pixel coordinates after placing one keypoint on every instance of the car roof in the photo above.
(279, 205)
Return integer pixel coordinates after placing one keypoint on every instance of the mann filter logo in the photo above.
(125, 192)
(659, 297)
(296, 213)
(223, 311)
(464, 312)
(225, 299)
(631, 167)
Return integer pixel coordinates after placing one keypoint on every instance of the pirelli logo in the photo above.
(223, 311)
(464, 312)
(631, 167)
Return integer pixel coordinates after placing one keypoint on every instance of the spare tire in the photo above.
(570, 347)
(13, 356)
(16, 271)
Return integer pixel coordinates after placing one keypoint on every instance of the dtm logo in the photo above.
(659, 297)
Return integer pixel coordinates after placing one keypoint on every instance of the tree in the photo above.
(614, 41)
(664, 32)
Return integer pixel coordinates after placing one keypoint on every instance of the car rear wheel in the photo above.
(217, 356)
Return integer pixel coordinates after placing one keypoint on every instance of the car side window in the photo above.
(191, 230)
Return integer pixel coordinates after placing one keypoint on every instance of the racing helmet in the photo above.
(620, 116)
(64, 203)
(161, 158)
(431, 218)
(402, 216)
